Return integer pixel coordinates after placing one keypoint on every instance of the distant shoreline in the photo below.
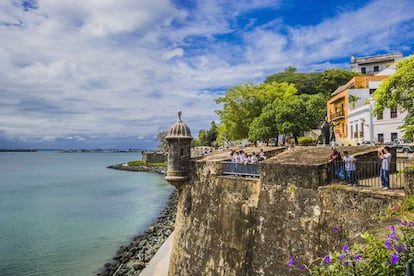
(18, 150)
(132, 258)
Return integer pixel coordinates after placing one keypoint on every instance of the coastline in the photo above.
(125, 167)
(134, 257)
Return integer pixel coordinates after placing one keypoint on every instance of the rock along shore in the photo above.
(132, 259)
(125, 167)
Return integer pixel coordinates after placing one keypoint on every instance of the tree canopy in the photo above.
(331, 79)
(315, 82)
(288, 102)
(162, 142)
(264, 127)
(243, 103)
(305, 83)
(294, 115)
(206, 137)
(398, 92)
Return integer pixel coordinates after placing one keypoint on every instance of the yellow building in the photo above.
(337, 106)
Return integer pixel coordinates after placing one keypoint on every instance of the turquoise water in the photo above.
(67, 214)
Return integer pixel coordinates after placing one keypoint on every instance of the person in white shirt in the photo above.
(253, 159)
(261, 155)
(242, 156)
(385, 156)
(349, 162)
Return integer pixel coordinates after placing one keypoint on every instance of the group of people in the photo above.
(245, 158)
(344, 167)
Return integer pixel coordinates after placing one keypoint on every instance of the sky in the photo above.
(114, 73)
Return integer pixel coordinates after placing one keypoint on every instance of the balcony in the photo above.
(337, 115)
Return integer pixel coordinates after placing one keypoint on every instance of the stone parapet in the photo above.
(230, 225)
(409, 178)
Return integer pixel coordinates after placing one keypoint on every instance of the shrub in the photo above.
(136, 163)
(141, 163)
(306, 141)
(386, 256)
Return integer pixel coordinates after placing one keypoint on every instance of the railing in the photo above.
(337, 115)
(241, 169)
(367, 173)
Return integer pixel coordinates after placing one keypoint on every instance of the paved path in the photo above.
(158, 266)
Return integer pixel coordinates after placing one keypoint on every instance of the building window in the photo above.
(352, 132)
(363, 70)
(372, 90)
(380, 117)
(394, 136)
(381, 137)
(376, 68)
(361, 133)
(356, 131)
(393, 113)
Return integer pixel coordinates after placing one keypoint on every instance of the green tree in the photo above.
(263, 127)
(202, 137)
(305, 83)
(398, 92)
(331, 79)
(222, 137)
(291, 116)
(268, 92)
(212, 134)
(162, 142)
(314, 82)
(206, 137)
(352, 99)
(243, 103)
(315, 109)
(240, 106)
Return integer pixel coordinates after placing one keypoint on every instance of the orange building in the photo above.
(337, 106)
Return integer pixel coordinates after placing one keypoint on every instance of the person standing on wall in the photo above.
(336, 165)
(350, 161)
(385, 156)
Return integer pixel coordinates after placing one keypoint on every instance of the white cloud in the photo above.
(177, 52)
(80, 69)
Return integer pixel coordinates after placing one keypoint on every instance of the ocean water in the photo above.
(67, 214)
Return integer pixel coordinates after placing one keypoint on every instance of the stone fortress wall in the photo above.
(229, 225)
(154, 157)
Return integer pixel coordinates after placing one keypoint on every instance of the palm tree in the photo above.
(353, 99)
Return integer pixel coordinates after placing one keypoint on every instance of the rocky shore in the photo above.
(132, 259)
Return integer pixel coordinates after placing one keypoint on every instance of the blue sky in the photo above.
(112, 74)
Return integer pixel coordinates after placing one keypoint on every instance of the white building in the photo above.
(360, 121)
(387, 126)
(371, 65)
(363, 126)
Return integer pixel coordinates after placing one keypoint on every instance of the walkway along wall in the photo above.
(230, 225)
